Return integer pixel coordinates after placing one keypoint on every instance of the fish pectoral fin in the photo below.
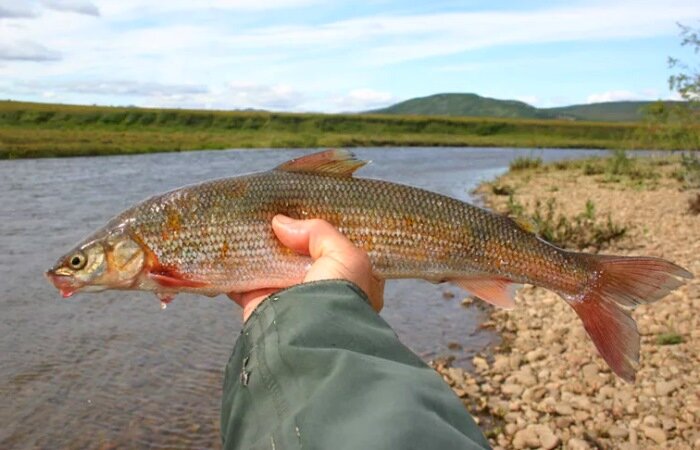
(337, 162)
(498, 291)
(175, 280)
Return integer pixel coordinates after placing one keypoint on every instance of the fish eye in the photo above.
(77, 261)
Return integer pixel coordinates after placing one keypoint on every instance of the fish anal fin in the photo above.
(527, 224)
(336, 162)
(172, 279)
(498, 291)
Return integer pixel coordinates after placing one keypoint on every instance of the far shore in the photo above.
(36, 130)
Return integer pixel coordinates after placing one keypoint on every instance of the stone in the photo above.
(512, 389)
(616, 432)
(655, 434)
(651, 421)
(480, 364)
(563, 409)
(535, 355)
(526, 438)
(548, 440)
(665, 388)
(577, 444)
(501, 363)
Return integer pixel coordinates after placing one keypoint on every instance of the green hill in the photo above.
(627, 111)
(460, 105)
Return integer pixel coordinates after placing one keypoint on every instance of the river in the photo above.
(111, 370)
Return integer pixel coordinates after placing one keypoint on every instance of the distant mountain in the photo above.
(476, 106)
(463, 105)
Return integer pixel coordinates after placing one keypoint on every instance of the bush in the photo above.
(525, 162)
(583, 231)
(689, 172)
(502, 189)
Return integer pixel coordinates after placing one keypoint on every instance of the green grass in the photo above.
(525, 162)
(669, 339)
(46, 130)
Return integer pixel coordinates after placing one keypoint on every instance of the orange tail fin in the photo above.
(604, 306)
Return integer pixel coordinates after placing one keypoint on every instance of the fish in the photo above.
(216, 237)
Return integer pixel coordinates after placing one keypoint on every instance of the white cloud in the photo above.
(76, 6)
(402, 38)
(142, 7)
(532, 100)
(298, 64)
(119, 88)
(613, 96)
(251, 95)
(27, 51)
(363, 99)
(13, 8)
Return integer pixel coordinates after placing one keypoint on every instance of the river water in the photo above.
(111, 370)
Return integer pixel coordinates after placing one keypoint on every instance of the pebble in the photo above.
(577, 444)
(513, 390)
(617, 432)
(563, 409)
(526, 438)
(656, 434)
(664, 388)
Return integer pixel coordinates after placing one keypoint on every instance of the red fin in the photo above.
(495, 290)
(336, 162)
(172, 279)
(604, 307)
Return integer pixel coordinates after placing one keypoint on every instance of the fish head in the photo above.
(113, 260)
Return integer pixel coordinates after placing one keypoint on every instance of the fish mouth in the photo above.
(65, 284)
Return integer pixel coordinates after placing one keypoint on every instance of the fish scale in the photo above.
(216, 237)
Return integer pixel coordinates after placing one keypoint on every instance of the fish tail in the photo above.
(617, 286)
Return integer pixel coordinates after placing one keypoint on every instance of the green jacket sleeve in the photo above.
(316, 368)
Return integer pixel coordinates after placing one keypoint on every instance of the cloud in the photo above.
(396, 39)
(76, 6)
(141, 7)
(119, 88)
(261, 96)
(16, 9)
(363, 99)
(614, 96)
(532, 100)
(27, 51)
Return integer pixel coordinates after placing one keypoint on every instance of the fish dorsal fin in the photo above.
(335, 162)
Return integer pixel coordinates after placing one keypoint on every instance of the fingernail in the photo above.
(284, 220)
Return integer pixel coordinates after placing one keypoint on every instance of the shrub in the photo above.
(525, 162)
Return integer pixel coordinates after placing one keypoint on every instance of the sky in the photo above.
(335, 56)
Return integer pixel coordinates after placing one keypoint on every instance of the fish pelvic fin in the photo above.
(333, 162)
(498, 291)
(605, 305)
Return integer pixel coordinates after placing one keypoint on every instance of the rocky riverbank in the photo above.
(545, 386)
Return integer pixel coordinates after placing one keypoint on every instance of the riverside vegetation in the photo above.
(544, 386)
(29, 130)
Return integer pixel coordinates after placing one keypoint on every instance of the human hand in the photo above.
(335, 257)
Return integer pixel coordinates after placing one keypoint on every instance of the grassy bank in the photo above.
(30, 130)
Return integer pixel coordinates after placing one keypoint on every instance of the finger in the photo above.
(312, 237)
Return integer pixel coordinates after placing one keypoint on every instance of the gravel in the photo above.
(545, 386)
